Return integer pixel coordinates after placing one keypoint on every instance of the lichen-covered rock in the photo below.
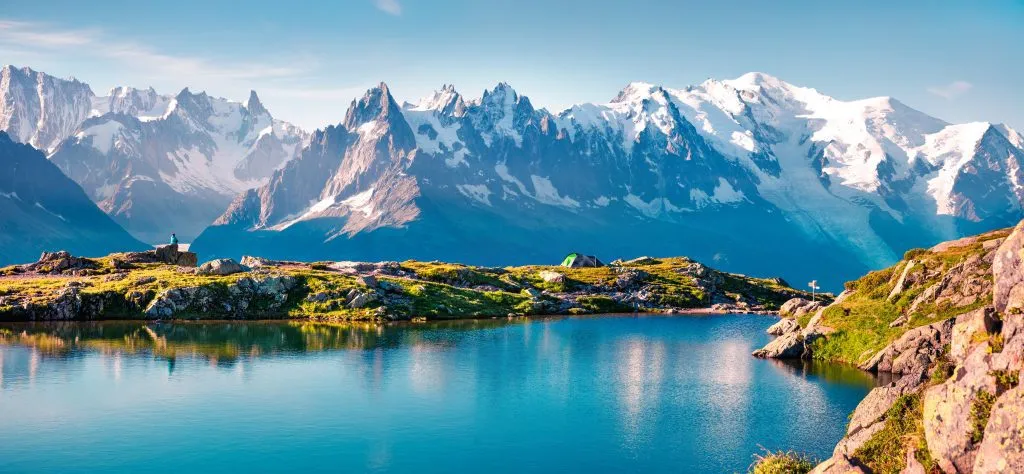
(53, 263)
(874, 406)
(1002, 448)
(629, 279)
(838, 464)
(1008, 272)
(367, 280)
(948, 408)
(979, 321)
(242, 299)
(783, 326)
(552, 277)
(787, 346)
(257, 262)
(221, 266)
(362, 299)
(914, 351)
(797, 307)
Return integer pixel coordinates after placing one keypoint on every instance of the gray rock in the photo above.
(914, 351)
(256, 262)
(783, 326)
(222, 266)
(367, 280)
(552, 277)
(787, 346)
(362, 299)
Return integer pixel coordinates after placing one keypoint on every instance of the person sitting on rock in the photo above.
(174, 239)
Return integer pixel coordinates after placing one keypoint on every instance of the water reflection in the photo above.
(578, 394)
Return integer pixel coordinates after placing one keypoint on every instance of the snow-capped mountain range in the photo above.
(746, 170)
(755, 173)
(156, 163)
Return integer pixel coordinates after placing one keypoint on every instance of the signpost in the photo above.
(814, 289)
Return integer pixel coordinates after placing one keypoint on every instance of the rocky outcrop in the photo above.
(239, 300)
(798, 307)
(914, 351)
(787, 346)
(56, 263)
(168, 254)
(784, 326)
(960, 392)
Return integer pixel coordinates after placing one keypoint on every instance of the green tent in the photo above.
(579, 260)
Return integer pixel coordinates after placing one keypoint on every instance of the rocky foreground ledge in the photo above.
(948, 324)
(167, 284)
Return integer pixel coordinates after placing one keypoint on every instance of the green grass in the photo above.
(434, 290)
(885, 452)
(981, 409)
(862, 320)
(782, 462)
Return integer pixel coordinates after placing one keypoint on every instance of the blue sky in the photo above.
(959, 61)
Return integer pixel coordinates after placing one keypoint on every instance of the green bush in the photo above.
(782, 462)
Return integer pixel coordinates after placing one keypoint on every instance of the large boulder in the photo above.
(784, 326)
(551, 277)
(1001, 449)
(797, 307)
(981, 321)
(221, 266)
(1008, 272)
(171, 255)
(914, 351)
(787, 346)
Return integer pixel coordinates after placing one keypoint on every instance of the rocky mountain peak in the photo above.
(376, 104)
(446, 101)
(254, 106)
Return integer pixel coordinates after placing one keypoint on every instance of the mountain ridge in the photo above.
(654, 154)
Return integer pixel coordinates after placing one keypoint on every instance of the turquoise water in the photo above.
(600, 394)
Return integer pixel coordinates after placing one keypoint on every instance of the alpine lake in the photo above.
(611, 393)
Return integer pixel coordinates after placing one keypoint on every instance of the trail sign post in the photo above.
(814, 289)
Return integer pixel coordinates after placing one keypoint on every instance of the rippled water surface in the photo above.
(601, 394)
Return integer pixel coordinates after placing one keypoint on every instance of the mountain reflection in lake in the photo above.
(618, 393)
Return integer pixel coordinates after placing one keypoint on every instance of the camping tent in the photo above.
(579, 260)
